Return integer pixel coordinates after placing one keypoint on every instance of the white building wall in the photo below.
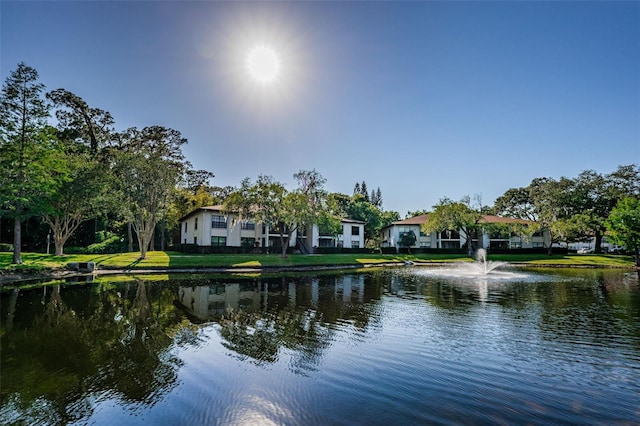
(234, 232)
(193, 235)
(315, 236)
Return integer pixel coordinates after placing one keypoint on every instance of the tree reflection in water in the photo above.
(260, 318)
(97, 343)
(64, 349)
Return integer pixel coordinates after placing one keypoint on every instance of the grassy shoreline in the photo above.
(37, 262)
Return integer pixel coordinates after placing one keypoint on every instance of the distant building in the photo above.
(455, 239)
(210, 226)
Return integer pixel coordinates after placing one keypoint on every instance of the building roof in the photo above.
(216, 208)
(349, 220)
(419, 220)
(416, 220)
(220, 208)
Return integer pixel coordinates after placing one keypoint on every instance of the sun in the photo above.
(263, 64)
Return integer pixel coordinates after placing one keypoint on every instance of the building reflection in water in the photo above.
(212, 302)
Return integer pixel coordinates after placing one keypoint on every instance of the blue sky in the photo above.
(423, 99)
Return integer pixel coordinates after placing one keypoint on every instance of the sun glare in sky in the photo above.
(263, 64)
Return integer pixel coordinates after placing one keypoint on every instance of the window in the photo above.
(246, 242)
(355, 244)
(217, 289)
(248, 225)
(355, 230)
(537, 244)
(196, 225)
(195, 241)
(216, 307)
(449, 235)
(185, 227)
(325, 242)
(218, 241)
(218, 222)
(450, 245)
(499, 234)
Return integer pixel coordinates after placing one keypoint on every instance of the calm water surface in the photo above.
(402, 346)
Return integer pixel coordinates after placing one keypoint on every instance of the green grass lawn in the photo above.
(175, 260)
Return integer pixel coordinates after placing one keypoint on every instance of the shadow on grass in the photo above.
(134, 263)
(100, 259)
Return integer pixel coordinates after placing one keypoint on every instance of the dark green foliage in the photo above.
(110, 245)
(28, 163)
(407, 239)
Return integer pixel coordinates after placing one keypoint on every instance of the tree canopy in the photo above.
(623, 225)
(270, 203)
(29, 165)
(456, 215)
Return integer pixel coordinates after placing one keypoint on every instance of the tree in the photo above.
(90, 126)
(415, 213)
(407, 239)
(460, 216)
(193, 191)
(361, 189)
(338, 203)
(624, 181)
(314, 196)
(364, 191)
(376, 198)
(374, 219)
(75, 199)
(360, 209)
(270, 203)
(592, 196)
(545, 203)
(148, 165)
(82, 132)
(27, 154)
(262, 202)
(623, 225)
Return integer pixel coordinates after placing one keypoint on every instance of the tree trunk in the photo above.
(11, 312)
(162, 233)
(59, 243)
(285, 243)
(469, 235)
(598, 244)
(130, 236)
(142, 242)
(152, 240)
(17, 241)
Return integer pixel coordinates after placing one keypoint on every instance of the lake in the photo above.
(407, 345)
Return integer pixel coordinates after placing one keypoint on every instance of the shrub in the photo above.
(111, 244)
(75, 250)
(6, 247)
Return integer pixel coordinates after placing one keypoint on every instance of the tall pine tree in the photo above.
(26, 151)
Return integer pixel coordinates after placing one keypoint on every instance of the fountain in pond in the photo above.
(481, 265)
(479, 270)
